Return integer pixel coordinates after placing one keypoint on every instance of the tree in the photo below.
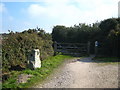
(59, 33)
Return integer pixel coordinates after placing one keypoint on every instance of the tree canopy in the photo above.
(106, 32)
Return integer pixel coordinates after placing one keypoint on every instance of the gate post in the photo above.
(96, 48)
(88, 48)
(55, 48)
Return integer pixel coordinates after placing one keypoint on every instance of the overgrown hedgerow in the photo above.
(16, 47)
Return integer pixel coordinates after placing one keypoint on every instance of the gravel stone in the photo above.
(83, 73)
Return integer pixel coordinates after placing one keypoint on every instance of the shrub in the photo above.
(16, 47)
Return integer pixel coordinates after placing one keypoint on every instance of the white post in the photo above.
(34, 59)
(37, 58)
(96, 47)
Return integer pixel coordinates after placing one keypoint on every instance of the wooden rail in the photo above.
(72, 48)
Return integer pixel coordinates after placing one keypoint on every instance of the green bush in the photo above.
(16, 47)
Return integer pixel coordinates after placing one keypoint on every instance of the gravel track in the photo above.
(83, 73)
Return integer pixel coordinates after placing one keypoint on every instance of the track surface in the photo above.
(83, 73)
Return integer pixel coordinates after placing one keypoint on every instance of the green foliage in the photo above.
(59, 33)
(16, 47)
(110, 31)
(107, 33)
(48, 65)
(11, 82)
(108, 24)
(78, 34)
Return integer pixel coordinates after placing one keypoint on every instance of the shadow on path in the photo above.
(86, 59)
(92, 59)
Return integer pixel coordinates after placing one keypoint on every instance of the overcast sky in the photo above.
(19, 15)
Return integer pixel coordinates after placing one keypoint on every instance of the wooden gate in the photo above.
(76, 49)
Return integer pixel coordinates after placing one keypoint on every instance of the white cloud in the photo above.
(67, 12)
(70, 12)
(58, 11)
(36, 10)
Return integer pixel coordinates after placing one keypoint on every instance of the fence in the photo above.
(75, 49)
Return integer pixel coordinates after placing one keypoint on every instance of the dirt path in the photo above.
(82, 73)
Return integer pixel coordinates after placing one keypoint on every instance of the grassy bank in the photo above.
(38, 75)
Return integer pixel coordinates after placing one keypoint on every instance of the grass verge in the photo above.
(39, 74)
(107, 60)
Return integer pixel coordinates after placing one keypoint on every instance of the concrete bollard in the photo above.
(34, 59)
